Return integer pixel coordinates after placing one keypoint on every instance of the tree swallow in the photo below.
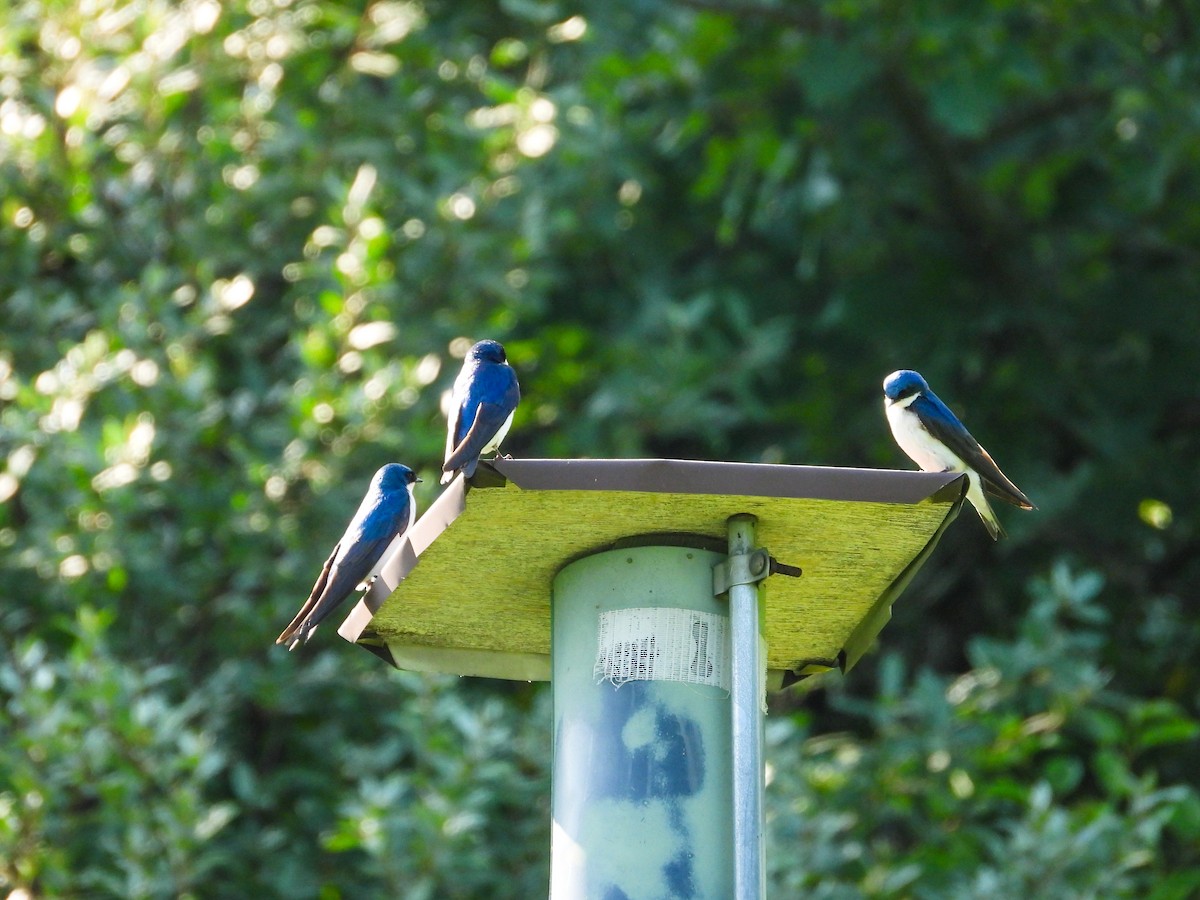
(385, 512)
(935, 440)
(485, 395)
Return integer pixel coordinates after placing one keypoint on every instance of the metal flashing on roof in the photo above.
(467, 588)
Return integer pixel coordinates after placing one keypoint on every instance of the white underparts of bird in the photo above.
(933, 437)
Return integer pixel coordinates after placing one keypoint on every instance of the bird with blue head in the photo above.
(387, 510)
(482, 404)
(937, 441)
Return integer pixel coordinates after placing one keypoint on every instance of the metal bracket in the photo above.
(748, 568)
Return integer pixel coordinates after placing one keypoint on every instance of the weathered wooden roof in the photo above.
(467, 589)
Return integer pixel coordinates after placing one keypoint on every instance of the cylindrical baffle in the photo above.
(642, 799)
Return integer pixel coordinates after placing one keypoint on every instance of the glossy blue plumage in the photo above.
(485, 396)
(937, 441)
(386, 511)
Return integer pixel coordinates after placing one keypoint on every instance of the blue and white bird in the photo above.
(387, 510)
(485, 396)
(937, 441)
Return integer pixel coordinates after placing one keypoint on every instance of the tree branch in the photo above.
(1069, 101)
(1183, 19)
(958, 197)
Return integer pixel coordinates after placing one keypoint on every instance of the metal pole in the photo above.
(747, 687)
(641, 793)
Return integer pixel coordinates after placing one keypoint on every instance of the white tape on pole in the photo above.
(663, 644)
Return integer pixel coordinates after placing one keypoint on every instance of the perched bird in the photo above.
(935, 440)
(485, 395)
(386, 511)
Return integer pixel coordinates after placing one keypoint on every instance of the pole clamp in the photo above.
(748, 568)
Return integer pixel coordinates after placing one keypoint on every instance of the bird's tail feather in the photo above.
(297, 635)
(1015, 497)
(298, 624)
(978, 498)
(993, 526)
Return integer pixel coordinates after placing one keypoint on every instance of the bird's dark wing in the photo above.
(940, 422)
(453, 424)
(1001, 493)
(346, 575)
(512, 393)
(352, 559)
(488, 419)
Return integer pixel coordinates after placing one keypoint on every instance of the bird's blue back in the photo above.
(931, 408)
(489, 382)
(381, 514)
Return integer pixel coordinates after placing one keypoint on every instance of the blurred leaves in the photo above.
(89, 742)
(1027, 774)
(246, 244)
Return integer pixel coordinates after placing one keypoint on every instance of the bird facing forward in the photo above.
(485, 396)
(387, 510)
(937, 441)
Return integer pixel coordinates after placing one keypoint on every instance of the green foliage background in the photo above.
(243, 245)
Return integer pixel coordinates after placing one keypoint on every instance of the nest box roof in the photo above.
(467, 588)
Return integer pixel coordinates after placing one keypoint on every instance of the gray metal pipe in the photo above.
(748, 695)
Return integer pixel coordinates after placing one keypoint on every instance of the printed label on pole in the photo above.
(663, 644)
